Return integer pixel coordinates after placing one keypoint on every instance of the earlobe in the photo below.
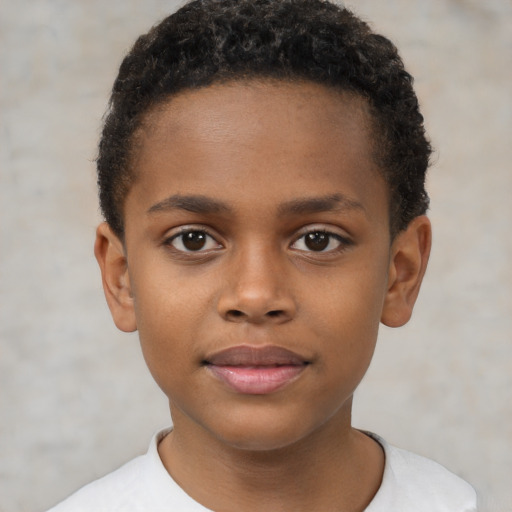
(409, 257)
(109, 252)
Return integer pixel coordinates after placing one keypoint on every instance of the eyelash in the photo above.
(189, 231)
(342, 242)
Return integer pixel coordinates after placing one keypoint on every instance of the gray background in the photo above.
(75, 398)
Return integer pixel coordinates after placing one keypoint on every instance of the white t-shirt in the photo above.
(410, 484)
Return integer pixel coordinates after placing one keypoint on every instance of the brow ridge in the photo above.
(203, 205)
(334, 202)
(190, 203)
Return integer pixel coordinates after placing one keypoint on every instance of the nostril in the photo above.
(235, 313)
(257, 316)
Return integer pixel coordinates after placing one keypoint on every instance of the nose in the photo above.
(257, 290)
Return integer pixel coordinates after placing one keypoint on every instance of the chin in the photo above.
(262, 434)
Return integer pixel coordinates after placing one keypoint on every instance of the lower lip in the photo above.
(257, 380)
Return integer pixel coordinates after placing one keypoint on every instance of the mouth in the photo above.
(256, 370)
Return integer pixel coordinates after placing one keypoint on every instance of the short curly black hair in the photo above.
(211, 41)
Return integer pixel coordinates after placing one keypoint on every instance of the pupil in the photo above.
(194, 240)
(317, 241)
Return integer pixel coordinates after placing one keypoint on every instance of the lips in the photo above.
(256, 370)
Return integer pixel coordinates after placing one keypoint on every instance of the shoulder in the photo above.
(414, 483)
(141, 485)
(112, 492)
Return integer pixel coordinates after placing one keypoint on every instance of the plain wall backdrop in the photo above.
(76, 400)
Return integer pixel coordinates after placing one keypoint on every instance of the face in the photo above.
(258, 259)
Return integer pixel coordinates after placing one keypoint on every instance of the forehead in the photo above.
(244, 107)
(280, 139)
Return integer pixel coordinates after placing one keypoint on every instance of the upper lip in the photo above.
(246, 355)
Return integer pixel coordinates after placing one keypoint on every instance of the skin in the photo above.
(275, 161)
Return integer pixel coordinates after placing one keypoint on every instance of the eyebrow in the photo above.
(335, 202)
(191, 203)
(204, 205)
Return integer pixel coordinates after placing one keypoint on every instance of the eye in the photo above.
(319, 241)
(193, 240)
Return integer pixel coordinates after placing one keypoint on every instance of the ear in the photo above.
(409, 257)
(109, 252)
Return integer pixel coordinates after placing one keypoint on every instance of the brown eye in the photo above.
(193, 241)
(316, 241)
(320, 241)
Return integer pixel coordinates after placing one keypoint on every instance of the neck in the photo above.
(333, 468)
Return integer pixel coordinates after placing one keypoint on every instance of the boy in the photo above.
(261, 174)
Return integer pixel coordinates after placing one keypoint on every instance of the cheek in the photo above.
(171, 314)
(167, 300)
(352, 300)
(347, 319)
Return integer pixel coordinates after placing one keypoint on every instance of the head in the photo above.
(212, 41)
(261, 173)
